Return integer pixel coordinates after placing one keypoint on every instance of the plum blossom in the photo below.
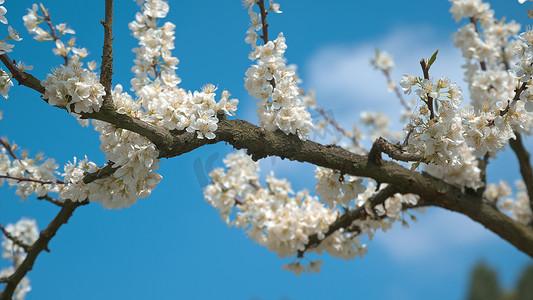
(74, 88)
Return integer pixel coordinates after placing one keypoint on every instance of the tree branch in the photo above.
(525, 166)
(264, 12)
(395, 151)
(20, 179)
(51, 200)
(397, 91)
(9, 149)
(103, 172)
(347, 219)
(22, 77)
(425, 70)
(106, 72)
(338, 127)
(40, 245)
(14, 239)
(261, 143)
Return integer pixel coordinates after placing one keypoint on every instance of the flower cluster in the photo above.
(336, 188)
(436, 131)
(501, 195)
(159, 102)
(275, 85)
(71, 54)
(174, 108)
(135, 157)
(154, 62)
(281, 220)
(274, 216)
(519, 208)
(74, 172)
(383, 61)
(471, 9)
(5, 83)
(74, 88)
(30, 175)
(26, 232)
(255, 20)
(155, 82)
(5, 78)
(523, 68)
(70, 86)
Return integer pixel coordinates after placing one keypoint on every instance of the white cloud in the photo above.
(436, 233)
(346, 83)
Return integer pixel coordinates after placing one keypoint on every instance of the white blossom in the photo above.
(275, 86)
(74, 88)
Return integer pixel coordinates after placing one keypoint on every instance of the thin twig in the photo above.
(338, 127)
(14, 239)
(102, 172)
(519, 91)
(21, 179)
(347, 219)
(264, 36)
(22, 77)
(53, 33)
(9, 149)
(51, 200)
(396, 90)
(425, 70)
(482, 63)
(264, 13)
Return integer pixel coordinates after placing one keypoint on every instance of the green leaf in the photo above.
(432, 59)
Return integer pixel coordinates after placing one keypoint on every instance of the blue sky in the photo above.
(173, 245)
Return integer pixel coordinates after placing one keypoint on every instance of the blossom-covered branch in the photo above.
(261, 143)
(355, 194)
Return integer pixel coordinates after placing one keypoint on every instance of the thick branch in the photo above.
(261, 143)
(40, 244)
(525, 165)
